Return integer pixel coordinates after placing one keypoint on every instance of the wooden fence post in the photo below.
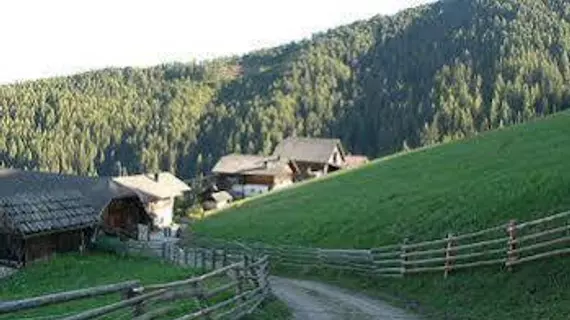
(320, 262)
(448, 255)
(512, 245)
(82, 245)
(241, 276)
(138, 309)
(200, 297)
(225, 257)
(246, 269)
(403, 257)
(246, 262)
(266, 274)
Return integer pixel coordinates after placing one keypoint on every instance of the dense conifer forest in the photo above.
(430, 74)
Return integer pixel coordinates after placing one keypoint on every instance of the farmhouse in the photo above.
(313, 156)
(35, 226)
(246, 175)
(78, 208)
(157, 192)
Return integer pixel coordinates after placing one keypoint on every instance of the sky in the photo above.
(59, 37)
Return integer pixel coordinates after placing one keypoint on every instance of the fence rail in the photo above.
(234, 286)
(506, 246)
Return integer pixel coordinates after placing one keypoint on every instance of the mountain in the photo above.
(426, 75)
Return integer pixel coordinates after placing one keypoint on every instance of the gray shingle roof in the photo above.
(315, 150)
(98, 191)
(28, 213)
(252, 165)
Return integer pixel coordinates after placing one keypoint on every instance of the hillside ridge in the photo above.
(431, 74)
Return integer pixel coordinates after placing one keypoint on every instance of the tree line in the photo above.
(427, 75)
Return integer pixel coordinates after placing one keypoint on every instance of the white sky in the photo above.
(56, 37)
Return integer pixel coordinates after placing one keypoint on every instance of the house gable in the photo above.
(337, 157)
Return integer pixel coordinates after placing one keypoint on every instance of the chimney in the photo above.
(156, 176)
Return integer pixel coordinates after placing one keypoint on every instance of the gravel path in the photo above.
(318, 301)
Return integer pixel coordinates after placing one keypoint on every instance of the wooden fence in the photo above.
(229, 292)
(195, 257)
(506, 246)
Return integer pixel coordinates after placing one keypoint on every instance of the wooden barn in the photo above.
(119, 210)
(313, 156)
(35, 226)
(246, 175)
(124, 216)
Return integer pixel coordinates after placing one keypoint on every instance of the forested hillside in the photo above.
(426, 75)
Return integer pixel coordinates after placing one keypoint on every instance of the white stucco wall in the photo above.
(250, 189)
(163, 211)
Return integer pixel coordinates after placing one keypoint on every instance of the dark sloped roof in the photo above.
(315, 150)
(30, 213)
(99, 191)
(252, 165)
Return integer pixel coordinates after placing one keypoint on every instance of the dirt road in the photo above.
(318, 301)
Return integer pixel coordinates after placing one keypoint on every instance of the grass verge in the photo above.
(271, 309)
(73, 271)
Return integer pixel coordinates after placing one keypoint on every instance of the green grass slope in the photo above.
(520, 172)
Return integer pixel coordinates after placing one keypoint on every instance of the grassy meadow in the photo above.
(520, 172)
